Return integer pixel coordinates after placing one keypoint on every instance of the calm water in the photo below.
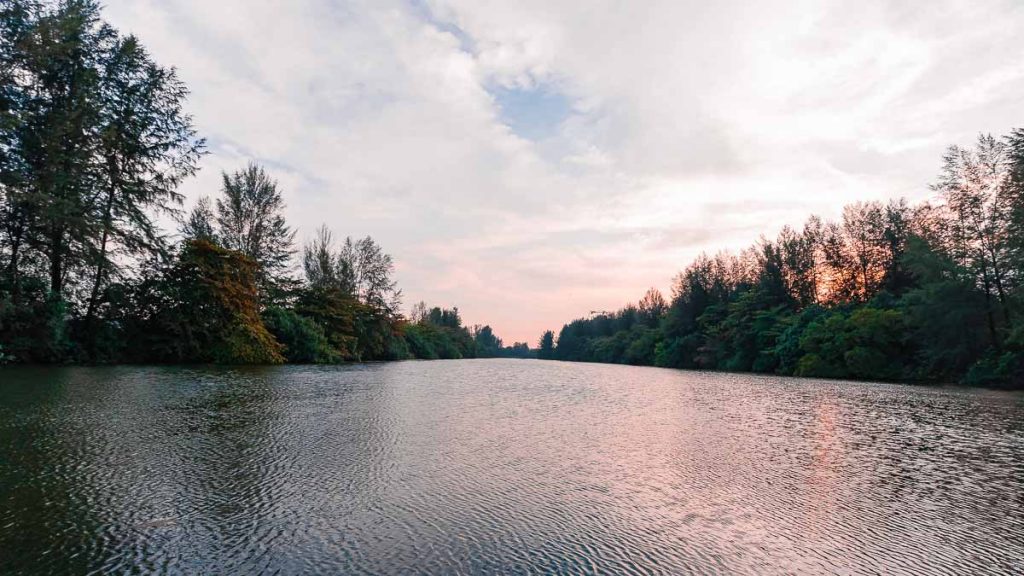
(502, 466)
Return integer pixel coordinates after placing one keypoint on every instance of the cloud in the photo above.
(531, 161)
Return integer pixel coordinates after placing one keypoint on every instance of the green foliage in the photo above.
(945, 315)
(33, 325)
(375, 333)
(419, 342)
(996, 370)
(438, 333)
(1001, 369)
(204, 308)
(866, 344)
(487, 344)
(303, 340)
(428, 341)
(788, 350)
(890, 292)
(335, 314)
(546, 349)
(397, 348)
(641, 345)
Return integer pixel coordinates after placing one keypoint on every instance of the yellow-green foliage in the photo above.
(224, 284)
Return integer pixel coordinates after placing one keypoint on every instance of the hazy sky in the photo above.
(531, 161)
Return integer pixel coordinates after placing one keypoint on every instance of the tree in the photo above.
(350, 291)
(250, 220)
(945, 312)
(898, 228)
(1013, 198)
(867, 344)
(337, 315)
(94, 143)
(889, 292)
(652, 307)
(204, 307)
(487, 344)
(973, 184)
(799, 262)
(547, 346)
(147, 147)
(419, 313)
(369, 270)
(15, 21)
(54, 57)
(201, 222)
(324, 266)
(863, 228)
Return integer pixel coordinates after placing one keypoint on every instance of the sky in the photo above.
(531, 161)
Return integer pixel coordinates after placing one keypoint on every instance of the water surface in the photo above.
(502, 466)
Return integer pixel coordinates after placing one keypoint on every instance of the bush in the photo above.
(33, 328)
(867, 344)
(204, 308)
(1000, 369)
(303, 340)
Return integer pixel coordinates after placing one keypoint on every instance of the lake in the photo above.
(502, 466)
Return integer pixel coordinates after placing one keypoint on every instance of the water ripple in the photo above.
(513, 467)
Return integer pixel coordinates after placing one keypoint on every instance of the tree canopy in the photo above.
(890, 291)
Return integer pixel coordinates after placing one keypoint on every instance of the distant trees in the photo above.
(487, 344)
(651, 308)
(893, 292)
(438, 333)
(370, 271)
(546, 347)
(419, 313)
(518, 350)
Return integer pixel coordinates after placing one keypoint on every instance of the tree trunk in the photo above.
(13, 267)
(997, 275)
(993, 332)
(57, 262)
(101, 263)
(101, 266)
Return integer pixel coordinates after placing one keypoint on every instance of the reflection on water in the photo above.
(502, 466)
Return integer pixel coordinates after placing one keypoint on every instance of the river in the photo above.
(502, 466)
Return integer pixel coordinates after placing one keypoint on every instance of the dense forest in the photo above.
(929, 293)
(94, 144)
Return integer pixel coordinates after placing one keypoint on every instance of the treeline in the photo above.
(438, 333)
(929, 293)
(94, 143)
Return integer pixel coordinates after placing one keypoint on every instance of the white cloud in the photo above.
(693, 126)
